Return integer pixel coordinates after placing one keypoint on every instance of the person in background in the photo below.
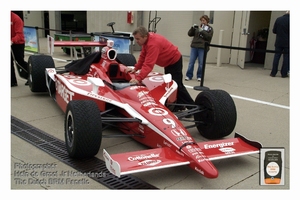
(17, 45)
(282, 45)
(200, 34)
(156, 49)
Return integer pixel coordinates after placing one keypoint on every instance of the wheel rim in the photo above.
(207, 115)
(70, 130)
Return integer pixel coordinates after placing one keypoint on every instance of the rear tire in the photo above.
(37, 65)
(218, 116)
(83, 128)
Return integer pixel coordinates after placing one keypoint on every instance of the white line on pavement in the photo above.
(253, 100)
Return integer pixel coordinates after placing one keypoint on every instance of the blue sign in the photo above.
(31, 39)
(121, 45)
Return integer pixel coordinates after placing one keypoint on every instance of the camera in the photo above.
(195, 26)
(205, 27)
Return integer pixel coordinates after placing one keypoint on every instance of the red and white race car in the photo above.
(95, 93)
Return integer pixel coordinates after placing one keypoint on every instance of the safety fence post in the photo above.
(201, 87)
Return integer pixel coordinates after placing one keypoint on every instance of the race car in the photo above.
(94, 93)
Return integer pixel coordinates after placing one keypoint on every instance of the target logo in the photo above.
(50, 71)
(156, 79)
(157, 111)
(79, 82)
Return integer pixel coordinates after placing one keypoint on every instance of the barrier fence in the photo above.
(32, 45)
(206, 45)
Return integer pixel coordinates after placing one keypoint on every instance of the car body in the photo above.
(95, 93)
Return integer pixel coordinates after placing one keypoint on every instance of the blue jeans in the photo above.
(195, 53)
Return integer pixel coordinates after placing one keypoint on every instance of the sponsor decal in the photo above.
(157, 111)
(219, 145)
(64, 92)
(143, 157)
(178, 132)
(179, 152)
(145, 99)
(199, 170)
(105, 156)
(142, 93)
(112, 170)
(149, 162)
(183, 138)
(149, 104)
(50, 70)
(135, 87)
(202, 160)
(227, 150)
(79, 82)
(98, 97)
(192, 150)
(169, 91)
(166, 143)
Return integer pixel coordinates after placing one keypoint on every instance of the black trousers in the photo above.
(183, 97)
(18, 50)
(285, 68)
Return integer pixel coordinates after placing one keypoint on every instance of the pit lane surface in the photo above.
(263, 115)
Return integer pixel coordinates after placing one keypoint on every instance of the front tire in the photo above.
(83, 128)
(218, 115)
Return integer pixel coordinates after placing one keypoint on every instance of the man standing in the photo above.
(156, 49)
(17, 45)
(282, 45)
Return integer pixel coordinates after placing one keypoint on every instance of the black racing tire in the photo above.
(126, 59)
(37, 65)
(83, 128)
(218, 115)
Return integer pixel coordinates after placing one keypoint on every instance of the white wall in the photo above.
(34, 19)
(173, 25)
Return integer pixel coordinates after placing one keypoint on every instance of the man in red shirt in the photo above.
(156, 49)
(17, 45)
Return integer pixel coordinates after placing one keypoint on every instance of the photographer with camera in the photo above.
(200, 34)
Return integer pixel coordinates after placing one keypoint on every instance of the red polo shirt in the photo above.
(16, 29)
(156, 50)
